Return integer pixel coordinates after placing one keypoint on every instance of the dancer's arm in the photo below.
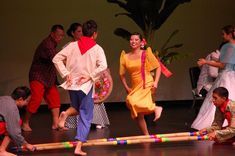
(123, 79)
(218, 64)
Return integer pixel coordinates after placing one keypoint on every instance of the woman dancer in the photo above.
(139, 63)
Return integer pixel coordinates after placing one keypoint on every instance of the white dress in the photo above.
(100, 116)
(226, 78)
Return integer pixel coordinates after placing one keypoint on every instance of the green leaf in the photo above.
(122, 33)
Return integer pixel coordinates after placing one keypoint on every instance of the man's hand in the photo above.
(211, 136)
(69, 80)
(30, 147)
(83, 79)
(203, 131)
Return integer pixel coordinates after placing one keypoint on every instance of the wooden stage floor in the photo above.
(174, 119)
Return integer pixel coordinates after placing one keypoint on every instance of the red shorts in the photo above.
(38, 92)
(3, 130)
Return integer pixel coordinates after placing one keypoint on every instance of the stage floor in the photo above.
(174, 119)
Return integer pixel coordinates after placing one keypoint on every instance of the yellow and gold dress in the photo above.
(139, 100)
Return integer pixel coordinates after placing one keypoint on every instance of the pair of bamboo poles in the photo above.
(157, 138)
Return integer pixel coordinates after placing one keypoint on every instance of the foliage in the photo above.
(149, 15)
(168, 53)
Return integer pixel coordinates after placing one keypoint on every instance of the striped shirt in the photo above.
(42, 68)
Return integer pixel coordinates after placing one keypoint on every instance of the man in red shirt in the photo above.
(42, 78)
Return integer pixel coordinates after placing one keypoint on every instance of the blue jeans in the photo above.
(84, 104)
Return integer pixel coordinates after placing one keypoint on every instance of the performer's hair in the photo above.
(73, 27)
(137, 33)
(21, 92)
(229, 29)
(221, 91)
(221, 44)
(89, 27)
(56, 26)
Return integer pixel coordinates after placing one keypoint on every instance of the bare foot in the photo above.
(60, 128)
(54, 127)
(158, 112)
(78, 150)
(5, 153)
(62, 119)
(26, 128)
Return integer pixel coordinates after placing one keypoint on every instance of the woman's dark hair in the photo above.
(221, 44)
(73, 27)
(136, 33)
(88, 28)
(221, 91)
(229, 29)
(21, 92)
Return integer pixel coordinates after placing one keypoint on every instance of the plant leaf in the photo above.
(169, 38)
(169, 7)
(122, 33)
(172, 47)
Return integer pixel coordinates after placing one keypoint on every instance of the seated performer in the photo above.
(10, 119)
(225, 109)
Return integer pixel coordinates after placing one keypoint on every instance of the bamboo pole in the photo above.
(116, 142)
(156, 140)
(67, 143)
(126, 142)
(149, 136)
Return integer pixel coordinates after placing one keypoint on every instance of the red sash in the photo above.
(2, 128)
(165, 70)
(227, 114)
(143, 56)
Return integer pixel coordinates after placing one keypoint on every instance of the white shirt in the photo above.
(70, 61)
